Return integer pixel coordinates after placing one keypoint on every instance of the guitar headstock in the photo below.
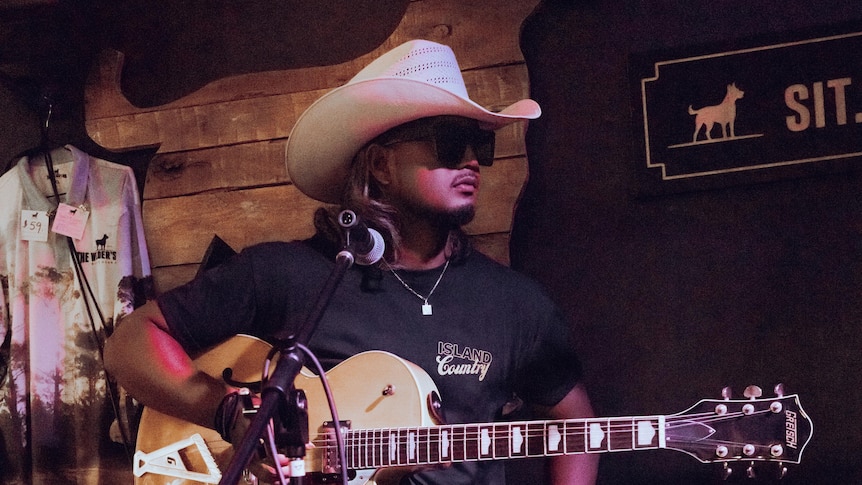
(753, 429)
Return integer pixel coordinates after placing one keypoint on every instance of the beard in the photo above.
(455, 217)
(460, 216)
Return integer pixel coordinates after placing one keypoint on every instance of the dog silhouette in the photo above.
(722, 114)
(100, 243)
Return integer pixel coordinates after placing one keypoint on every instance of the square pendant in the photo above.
(426, 309)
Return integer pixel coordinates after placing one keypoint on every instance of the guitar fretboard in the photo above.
(375, 448)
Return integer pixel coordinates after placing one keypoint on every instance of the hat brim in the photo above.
(331, 131)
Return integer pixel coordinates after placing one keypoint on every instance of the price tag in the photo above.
(70, 221)
(34, 225)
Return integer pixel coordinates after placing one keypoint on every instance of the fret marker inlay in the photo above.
(646, 433)
(411, 445)
(597, 435)
(553, 438)
(517, 440)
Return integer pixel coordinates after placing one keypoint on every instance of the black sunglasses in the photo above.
(451, 135)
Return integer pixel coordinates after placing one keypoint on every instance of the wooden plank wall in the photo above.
(219, 167)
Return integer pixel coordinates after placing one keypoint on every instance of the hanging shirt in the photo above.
(58, 422)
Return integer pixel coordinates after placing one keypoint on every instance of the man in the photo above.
(401, 145)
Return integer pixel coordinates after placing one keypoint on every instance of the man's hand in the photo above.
(233, 423)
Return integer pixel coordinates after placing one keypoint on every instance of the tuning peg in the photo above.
(779, 390)
(749, 472)
(752, 392)
(726, 393)
(726, 472)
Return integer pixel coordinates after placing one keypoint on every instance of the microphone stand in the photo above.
(274, 396)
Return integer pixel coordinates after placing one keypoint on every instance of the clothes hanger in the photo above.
(46, 152)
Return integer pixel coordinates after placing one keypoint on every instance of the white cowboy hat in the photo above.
(415, 80)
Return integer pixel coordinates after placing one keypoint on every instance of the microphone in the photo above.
(364, 244)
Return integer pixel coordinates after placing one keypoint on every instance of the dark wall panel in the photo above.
(679, 295)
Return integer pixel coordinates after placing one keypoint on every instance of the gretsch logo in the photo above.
(790, 428)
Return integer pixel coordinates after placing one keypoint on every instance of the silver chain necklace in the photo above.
(426, 307)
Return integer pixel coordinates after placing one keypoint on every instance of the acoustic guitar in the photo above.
(389, 406)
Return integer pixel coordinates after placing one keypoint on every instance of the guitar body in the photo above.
(372, 390)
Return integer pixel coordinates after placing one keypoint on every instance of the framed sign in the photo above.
(748, 113)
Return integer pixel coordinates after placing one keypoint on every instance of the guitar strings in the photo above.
(533, 429)
(469, 431)
(375, 442)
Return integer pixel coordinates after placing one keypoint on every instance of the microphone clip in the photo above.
(362, 245)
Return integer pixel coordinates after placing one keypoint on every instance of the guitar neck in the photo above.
(375, 448)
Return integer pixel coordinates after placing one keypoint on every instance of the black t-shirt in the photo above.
(493, 333)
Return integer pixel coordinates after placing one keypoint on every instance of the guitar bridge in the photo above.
(331, 464)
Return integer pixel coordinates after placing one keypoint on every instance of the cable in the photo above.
(339, 437)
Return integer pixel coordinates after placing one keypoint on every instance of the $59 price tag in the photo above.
(34, 225)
